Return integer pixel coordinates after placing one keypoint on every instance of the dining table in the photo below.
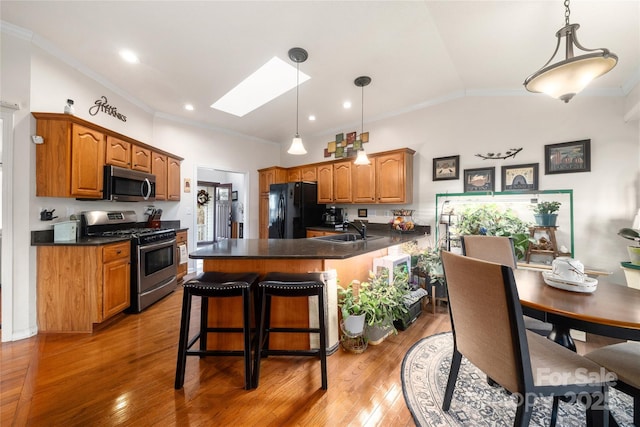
(611, 310)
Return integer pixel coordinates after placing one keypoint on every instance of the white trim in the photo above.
(7, 224)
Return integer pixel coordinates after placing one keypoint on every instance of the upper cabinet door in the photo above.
(118, 152)
(159, 168)
(364, 183)
(342, 182)
(325, 183)
(140, 159)
(87, 162)
(173, 179)
(394, 178)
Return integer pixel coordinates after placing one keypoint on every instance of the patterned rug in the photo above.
(425, 370)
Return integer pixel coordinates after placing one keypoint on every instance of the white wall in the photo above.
(605, 199)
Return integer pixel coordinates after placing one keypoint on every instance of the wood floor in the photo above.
(123, 374)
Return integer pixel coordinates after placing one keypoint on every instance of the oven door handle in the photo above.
(156, 245)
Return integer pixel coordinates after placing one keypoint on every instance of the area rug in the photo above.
(425, 370)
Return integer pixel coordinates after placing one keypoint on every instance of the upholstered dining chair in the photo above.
(500, 249)
(624, 360)
(488, 330)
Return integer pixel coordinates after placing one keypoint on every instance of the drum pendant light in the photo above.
(564, 79)
(362, 158)
(297, 55)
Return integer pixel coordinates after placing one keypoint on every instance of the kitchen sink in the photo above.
(344, 238)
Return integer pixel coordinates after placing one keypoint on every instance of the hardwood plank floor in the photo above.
(123, 374)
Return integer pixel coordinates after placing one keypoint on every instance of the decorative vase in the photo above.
(546, 220)
(354, 325)
(634, 254)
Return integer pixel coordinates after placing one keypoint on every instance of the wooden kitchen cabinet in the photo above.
(305, 173)
(342, 182)
(394, 176)
(364, 183)
(140, 158)
(69, 162)
(325, 183)
(173, 179)
(116, 293)
(78, 286)
(317, 233)
(118, 152)
(159, 168)
(266, 177)
(181, 239)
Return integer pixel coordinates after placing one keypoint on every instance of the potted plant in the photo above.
(489, 220)
(354, 304)
(546, 214)
(385, 303)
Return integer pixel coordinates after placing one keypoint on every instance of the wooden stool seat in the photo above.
(290, 285)
(207, 285)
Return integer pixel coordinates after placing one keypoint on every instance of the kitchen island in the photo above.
(343, 262)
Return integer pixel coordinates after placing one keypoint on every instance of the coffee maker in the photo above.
(333, 216)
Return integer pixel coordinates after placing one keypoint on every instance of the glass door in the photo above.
(214, 212)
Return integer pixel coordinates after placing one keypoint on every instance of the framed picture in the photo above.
(331, 146)
(234, 196)
(520, 177)
(479, 180)
(362, 213)
(567, 157)
(364, 137)
(351, 136)
(446, 168)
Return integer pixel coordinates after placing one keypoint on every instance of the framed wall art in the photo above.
(567, 157)
(520, 177)
(446, 168)
(479, 180)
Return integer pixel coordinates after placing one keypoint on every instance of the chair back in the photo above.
(486, 317)
(490, 248)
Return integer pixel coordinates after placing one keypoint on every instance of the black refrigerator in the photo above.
(292, 208)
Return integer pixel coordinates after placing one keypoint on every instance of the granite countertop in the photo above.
(300, 248)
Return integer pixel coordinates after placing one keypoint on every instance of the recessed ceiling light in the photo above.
(270, 81)
(129, 56)
(188, 107)
(312, 118)
(346, 104)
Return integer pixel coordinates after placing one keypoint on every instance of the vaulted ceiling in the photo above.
(418, 53)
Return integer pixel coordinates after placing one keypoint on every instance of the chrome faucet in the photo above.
(362, 230)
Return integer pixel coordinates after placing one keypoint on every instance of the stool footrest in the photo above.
(294, 330)
(215, 352)
(291, 352)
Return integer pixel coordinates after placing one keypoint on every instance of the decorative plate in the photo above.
(588, 286)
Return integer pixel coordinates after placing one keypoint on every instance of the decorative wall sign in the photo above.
(234, 196)
(445, 168)
(520, 177)
(187, 185)
(103, 105)
(567, 157)
(362, 213)
(479, 180)
(511, 152)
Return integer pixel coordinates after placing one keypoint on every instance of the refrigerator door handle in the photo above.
(281, 217)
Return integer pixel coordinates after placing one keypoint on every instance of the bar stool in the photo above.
(290, 285)
(207, 285)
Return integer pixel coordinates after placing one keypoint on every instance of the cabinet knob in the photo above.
(118, 252)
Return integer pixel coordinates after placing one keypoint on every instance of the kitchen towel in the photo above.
(184, 256)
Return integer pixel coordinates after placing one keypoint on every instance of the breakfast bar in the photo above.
(340, 262)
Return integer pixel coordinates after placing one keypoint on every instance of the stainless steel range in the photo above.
(153, 253)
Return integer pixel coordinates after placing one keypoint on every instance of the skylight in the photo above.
(270, 81)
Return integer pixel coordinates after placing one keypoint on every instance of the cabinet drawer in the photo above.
(116, 251)
(181, 237)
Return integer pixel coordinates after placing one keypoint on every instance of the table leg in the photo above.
(560, 335)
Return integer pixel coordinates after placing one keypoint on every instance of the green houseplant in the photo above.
(354, 302)
(488, 219)
(546, 214)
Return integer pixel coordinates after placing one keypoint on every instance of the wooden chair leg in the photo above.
(184, 340)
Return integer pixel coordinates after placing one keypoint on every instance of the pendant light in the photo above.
(297, 55)
(568, 77)
(362, 158)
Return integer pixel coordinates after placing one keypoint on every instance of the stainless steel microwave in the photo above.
(126, 185)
